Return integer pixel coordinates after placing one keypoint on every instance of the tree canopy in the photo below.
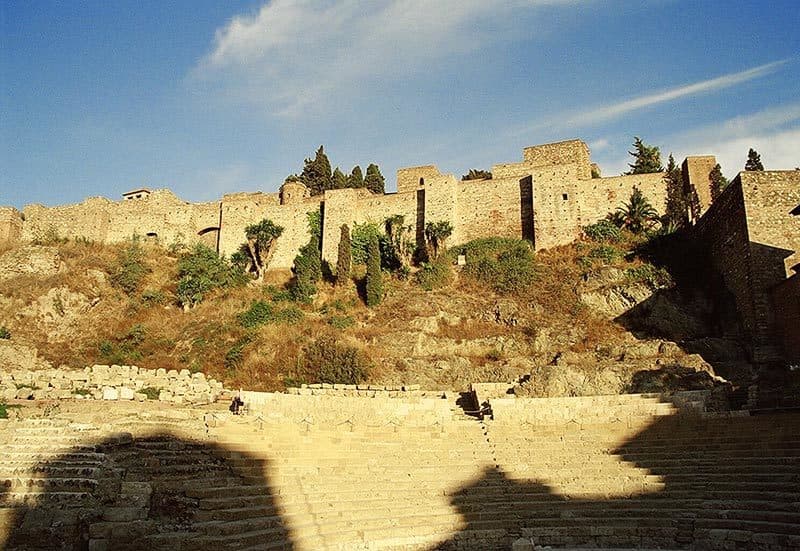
(637, 214)
(718, 182)
(374, 180)
(476, 174)
(753, 163)
(647, 158)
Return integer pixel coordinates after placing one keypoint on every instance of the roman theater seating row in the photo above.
(348, 473)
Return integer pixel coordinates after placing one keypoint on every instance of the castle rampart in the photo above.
(10, 225)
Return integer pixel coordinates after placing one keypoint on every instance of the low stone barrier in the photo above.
(111, 382)
(365, 391)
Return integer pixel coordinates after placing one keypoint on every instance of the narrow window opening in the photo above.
(564, 196)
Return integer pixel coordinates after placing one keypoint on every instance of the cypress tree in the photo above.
(718, 182)
(338, 180)
(316, 173)
(374, 283)
(345, 257)
(753, 163)
(647, 158)
(356, 178)
(374, 180)
(677, 207)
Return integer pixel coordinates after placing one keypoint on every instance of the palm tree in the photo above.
(637, 214)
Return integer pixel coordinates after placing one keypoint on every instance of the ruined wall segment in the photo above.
(569, 152)
(696, 171)
(412, 178)
(10, 226)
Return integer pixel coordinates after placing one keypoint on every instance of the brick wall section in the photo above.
(786, 306)
(10, 225)
(408, 179)
(242, 210)
(724, 235)
(560, 153)
(696, 171)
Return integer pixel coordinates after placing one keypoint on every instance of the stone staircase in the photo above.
(604, 472)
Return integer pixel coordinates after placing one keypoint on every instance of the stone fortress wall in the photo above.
(546, 199)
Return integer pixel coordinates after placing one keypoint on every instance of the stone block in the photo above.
(184, 374)
(124, 514)
(97, 544)
(139, 397)
(110, 393)
(126, 393)
(161, 372)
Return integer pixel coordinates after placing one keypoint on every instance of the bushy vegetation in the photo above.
(436, 234)
(260, 245)
(130, 268)
(262, 312)
(125, 348)
(504, 264)
(327, 360)
(3, 411)
(435, 274)
(476, 174)
(603, 231)
(202, 270)
(4, 332)
(360, 238)
(647, 273)
(234, 357)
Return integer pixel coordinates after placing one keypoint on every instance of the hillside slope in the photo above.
(595, 318)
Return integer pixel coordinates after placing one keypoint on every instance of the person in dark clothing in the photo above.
(236, 404)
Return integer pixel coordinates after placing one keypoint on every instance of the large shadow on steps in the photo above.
(152, 493)
(714, 484)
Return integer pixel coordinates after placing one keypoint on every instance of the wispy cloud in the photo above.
(618, 109)
(294, 54)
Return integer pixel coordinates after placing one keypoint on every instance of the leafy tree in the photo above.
(374, 180)
(339, 180)
(374, 283)
(360, 237)
(718, 182)
(637, 214)
(261, 239)
(595, 171)
(400, 240)
(344, 259)
(677, 209)
(476, 174)
(307, 266)
(647, 159)
(753, 163)
(356, 178)
(436, 234)
(316, 173)
(201, 270)
(130, 267)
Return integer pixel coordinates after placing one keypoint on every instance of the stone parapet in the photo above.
(114, 382)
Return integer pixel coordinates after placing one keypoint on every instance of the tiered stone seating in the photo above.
(319, 472)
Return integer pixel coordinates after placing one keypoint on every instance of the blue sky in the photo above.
(209, 97)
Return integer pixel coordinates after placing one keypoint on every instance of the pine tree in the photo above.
(316, 173)
(718, 182)
(374, 179)
(677, 207)
(356, 178)
(647, 159)
(345, 257)
(339, 180)
(753, 163)
(374, 285)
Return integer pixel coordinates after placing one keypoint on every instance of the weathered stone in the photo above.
(110, 393)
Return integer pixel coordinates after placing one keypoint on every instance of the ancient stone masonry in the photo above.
(546, 199)
(752, 241)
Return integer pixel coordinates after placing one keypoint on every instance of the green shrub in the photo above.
(124, 349)
(603, 231)
(330, 361)
(504, 264)
(341, 322)
(605, 253)
(151, 297)
(151, 392)
(202, 270)
(647, 273)
(360, 238)
(3, 411)
(4, 332)
(130, 268)
(436, 274)
(261, 313)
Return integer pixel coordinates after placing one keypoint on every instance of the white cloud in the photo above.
(293, 54)
(616, 110)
